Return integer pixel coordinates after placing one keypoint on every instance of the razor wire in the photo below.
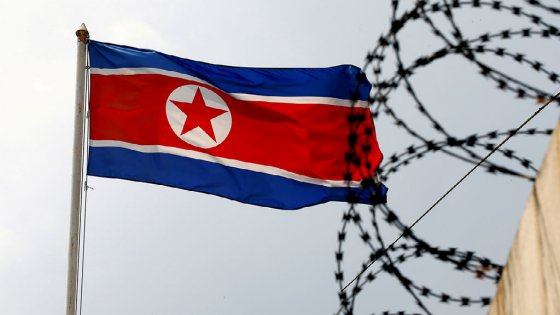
(453, 42)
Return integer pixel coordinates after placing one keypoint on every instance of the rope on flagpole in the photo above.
(86, 187)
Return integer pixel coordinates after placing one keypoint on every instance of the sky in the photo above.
(153, 250)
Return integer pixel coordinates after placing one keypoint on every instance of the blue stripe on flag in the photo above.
(338, 82)
(191, 174)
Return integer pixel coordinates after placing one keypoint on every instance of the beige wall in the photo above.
(530, 283)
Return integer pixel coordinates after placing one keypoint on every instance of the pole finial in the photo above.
(81, 33)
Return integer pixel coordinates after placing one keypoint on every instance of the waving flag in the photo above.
(269, 137)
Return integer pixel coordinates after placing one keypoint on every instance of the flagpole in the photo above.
(75, 199)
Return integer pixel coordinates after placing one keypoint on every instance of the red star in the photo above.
(198, 114)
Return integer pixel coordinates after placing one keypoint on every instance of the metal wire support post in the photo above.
(76, 193)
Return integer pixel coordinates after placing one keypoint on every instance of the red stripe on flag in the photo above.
(307, 139)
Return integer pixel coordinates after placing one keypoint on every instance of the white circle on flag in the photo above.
(177, 118)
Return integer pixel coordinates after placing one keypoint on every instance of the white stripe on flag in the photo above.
(223, 161)
(239, 96)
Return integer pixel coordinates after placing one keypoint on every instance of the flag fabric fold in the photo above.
(263, 136)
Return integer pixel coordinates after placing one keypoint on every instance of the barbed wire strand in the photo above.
(454, 186)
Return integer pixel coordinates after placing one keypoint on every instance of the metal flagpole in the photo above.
(76, 194)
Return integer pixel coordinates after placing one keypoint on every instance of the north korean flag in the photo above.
(269, 137)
